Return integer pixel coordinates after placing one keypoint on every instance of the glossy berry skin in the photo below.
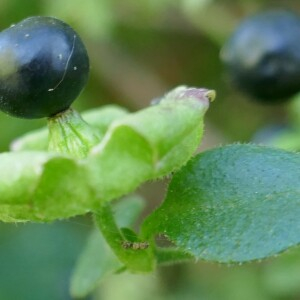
(262, 57)
(43, 67)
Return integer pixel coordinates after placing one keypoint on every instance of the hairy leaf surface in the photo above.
(233, 204)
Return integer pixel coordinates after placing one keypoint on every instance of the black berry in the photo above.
(43, 67)
(263, 56)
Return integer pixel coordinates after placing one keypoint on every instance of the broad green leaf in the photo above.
(233, 204)
(147, 145)
(97, 259)
(41, 186)
(62, 190)
(100, 118)
(135, 148)
(19, 175)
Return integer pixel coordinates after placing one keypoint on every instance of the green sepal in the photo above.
(69, 134)
(98, 118)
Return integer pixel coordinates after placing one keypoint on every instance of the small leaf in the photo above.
(97, 259)
(233, 204)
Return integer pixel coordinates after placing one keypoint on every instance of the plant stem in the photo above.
(141, 260)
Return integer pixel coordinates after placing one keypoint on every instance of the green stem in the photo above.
(136, 260)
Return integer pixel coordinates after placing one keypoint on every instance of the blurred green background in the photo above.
(139, 50)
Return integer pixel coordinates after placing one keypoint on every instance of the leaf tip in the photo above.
(202, 95)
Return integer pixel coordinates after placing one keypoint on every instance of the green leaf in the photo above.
(100, 118)
(148, 144)
(41, 186)
(142, 146)
(233, 204)
(63, 190)
(97, 259)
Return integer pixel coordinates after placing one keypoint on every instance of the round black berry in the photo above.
(43, 67)
(263, 56)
